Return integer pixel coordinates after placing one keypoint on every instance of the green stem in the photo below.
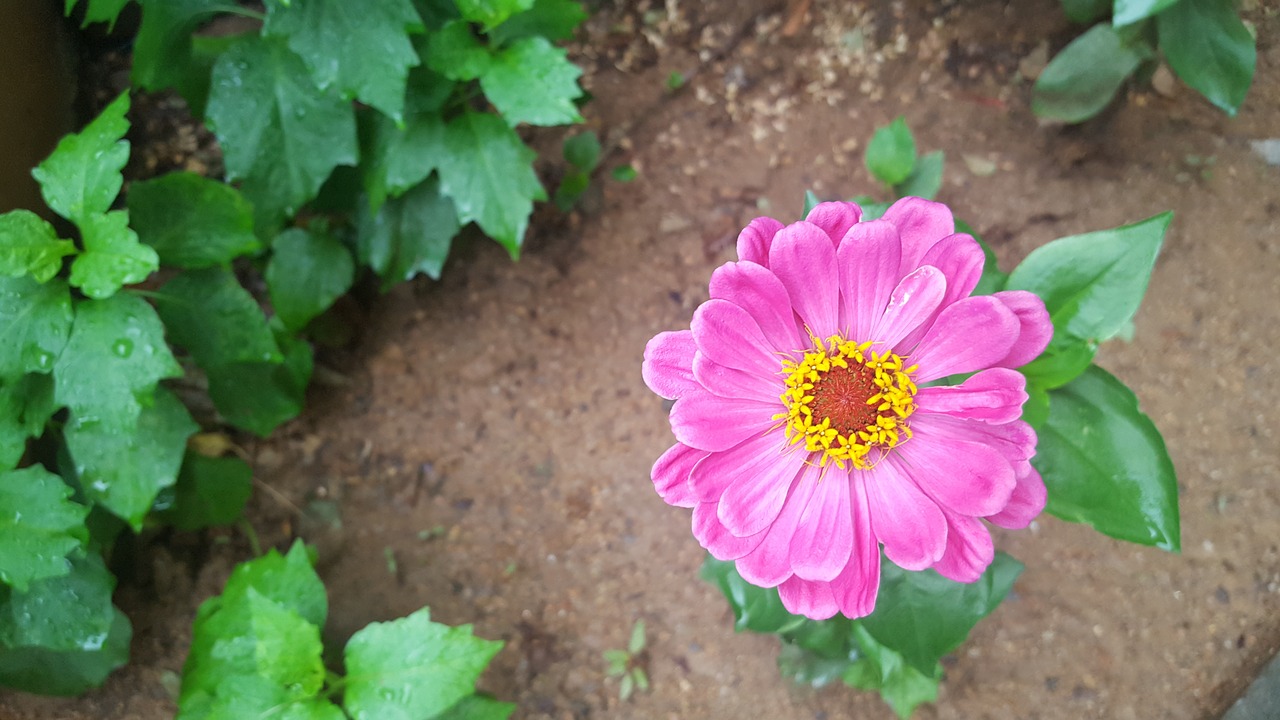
(252, 535)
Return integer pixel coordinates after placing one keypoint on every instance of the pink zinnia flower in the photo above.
(805, 439)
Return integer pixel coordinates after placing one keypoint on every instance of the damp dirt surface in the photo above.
(490, 432)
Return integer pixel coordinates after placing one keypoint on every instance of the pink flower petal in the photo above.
(755, 239)
(824, 539)
(858, 584)
(868, 258)
(671, 475)
(712, 535)
(729, 335)
(1015, 440)
(769, 564)
(712, 423)
(1026, 502)
(814, 600)
(970, 335)
(960, 259)
(804, 259)
(909, 524)
(755, 289)
(711, 477)
(964, 477)
(914, 301)
(1036, 330)
(995, 395)
(969, 549)
(756, 496)
(835, 218)
(921, 224)
(731, 383)
(668, 364)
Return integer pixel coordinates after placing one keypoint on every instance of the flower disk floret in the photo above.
(808, 433)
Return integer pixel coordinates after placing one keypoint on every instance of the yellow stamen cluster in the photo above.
(845, 400)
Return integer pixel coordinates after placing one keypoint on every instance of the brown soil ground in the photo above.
(501, 409)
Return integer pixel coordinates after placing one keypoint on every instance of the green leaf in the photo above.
(259, 396)
(215, 319)
(992, 280)
(401, 158)
(362, 49)
(1085, 11)
(533, 81)
(35, 320)
(279, 133)
(491, 13)
(455, 52)
(811, 201)
(112, 256)
(1127, 12)
(1105, 463)
(412, 668)
(817, 652)
(572, 186)
(26, 405)
(755, 609)
(872, 210)
(879, 668)
(583, 151)
(925, 179)
(192, 221)
(98, 11)
(636, 643)
(891, 154)
(923, 616)
(1083, 78)
(124, 473)
(1210, 48)
(624, 173)
(162, 52)
(62, 636)
(209, 492)
(477, 707)
(113, 359)
(410, 234)
(28, 244)
(239, 697)
(1061, 362)
(552, 19)
(488, 172)
(288, 580)
(82, 176)
(307, 272)
(39, 526)
(1092, 284)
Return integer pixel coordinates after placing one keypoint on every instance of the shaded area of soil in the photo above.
(492, 433)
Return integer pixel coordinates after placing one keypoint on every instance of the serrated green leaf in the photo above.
(163, 55)
(114, 357)
(258, 397)
(1105, 464)
(1092, 284)
(192, 221)
(1127, 12)
(249, 696)
(62, 636)
(280, 135)
(491, 13)
(923, 616)
(1210, 48)
(209, 492)
(289, 580)
(533, 81)
(82, 176)
(410, 234)
(583, 151)
(891, 154)
(755, 609)
(26, 404)
(124, 473)
(401, 158)
(35, 320)
(902, 686)
(1083, 78)
(98, 11)
(307, 272)
(552, 19)
(215, 319)
(29, 245)
(412, 668)
(362, 49)
(477, 707)
(455, 52)
(488, 172)
(925, 179)
(1085, 11)
(39, 526)
(112, 256)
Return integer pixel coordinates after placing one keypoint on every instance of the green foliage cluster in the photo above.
(1204, 41)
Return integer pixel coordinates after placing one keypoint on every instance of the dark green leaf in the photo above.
(39, 526)
(1105, 463)
(1210, 48)
(215, 319)
(755, 609)
(210, 492)
(491, 13)
(192, 221)
(26, 404)
(583, 151)
(98, 11)
(818, 652)
(62, 636)
(455, 52)
(112, 256)
(1092, 284)
(923, 616)
(1083, 78)
(1127, 12)
(809, 668)
(82, 176)
(925, 179)
(29, 245)
(162, 52)
(992, 280)
(362, 49)
(401, 158)
(891, 154)
(902, 686)
(412, 667)
(288, 580)
(572, 185)
(1060, 363)
(307, 272)
(1086, 11)
(532, 81)
(477, 707)
(258, 397)
(35, 320)
(552, 19)
(113, 359)
(488, 172)
(279, 133)
(124, 473)
(624, 173)
(410, 234)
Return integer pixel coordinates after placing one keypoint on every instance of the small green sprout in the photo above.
(629, 664)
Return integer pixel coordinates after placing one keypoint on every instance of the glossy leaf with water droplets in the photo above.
(532, 81)
(307, 272)
(552, 19)
(408, 235)
(35, 321)
(192, 221)
(112, 256)
(39, 526)
(210, 314)
(82, 176)
(490, 13)
(30, 245)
